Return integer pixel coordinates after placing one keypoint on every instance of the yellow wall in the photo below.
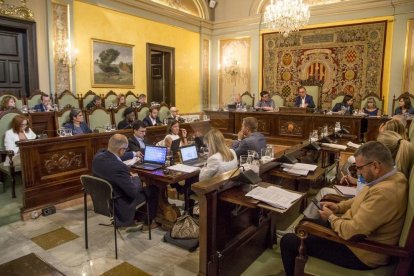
(99, 23)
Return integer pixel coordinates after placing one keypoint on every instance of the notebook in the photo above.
(189, 156)
(154, 158)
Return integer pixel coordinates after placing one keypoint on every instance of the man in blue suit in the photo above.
(44, 105)
(127, 186)
(248, 138)
(304, 100)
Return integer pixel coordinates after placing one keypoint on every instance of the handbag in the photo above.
(186, 227)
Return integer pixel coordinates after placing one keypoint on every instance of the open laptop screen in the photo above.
(189, 153)
(155, 155)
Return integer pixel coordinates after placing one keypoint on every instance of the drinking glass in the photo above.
(246, 161)
(108, 127)
(68, 132)
(266, 155)
(252, 154)
(61, 132)
(24, 108)
(255, 166)
(337, 126)
(113, 127)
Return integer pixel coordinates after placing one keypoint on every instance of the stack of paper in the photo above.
(353, 145)
(334, 146)
(132, 161)
(183, 168)
(274, 196)
(299, 168)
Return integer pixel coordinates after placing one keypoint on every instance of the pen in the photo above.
(346, 179)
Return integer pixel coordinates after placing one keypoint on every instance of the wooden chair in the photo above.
(278, 99)
(313, 87)
(98, 118)
(163, 111)
(247, 98)
(142, 111)
(118, 114)
(110, 99)
(9, 169)
(67, 99)
(19, 102)
(407, 95)
(378, 102)
(34, 98)
(62, 116)
(87, 98)
(130, 97)
(402, 253)
(338, 99)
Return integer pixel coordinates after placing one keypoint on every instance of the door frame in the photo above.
(28, 28)
(161, 48)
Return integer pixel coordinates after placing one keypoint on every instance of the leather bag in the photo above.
(186, 227)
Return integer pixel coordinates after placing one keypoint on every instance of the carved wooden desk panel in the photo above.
(43, 122)
(222, 120)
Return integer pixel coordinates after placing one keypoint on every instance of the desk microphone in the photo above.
(228, 180)
(96, 129)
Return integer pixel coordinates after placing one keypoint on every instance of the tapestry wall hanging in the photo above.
(347, 59)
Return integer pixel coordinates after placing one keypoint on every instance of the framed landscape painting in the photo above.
(112, 64)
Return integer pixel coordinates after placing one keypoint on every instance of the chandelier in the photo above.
(286, 16)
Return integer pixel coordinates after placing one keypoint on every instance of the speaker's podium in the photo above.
(235, 229)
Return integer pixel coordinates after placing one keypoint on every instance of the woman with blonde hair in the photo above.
(371, 108)
(220, 158)
(402, 150)
(394, 125)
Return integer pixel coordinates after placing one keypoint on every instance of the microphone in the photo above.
(228, 180)
(96, 129)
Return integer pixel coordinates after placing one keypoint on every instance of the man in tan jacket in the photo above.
(377, 212)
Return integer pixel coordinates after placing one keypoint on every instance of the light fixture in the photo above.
(69, 56)
(286, 16)
(212, 4)
(16, 11)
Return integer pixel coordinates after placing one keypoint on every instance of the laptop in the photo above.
(189, 156)
(154, 158)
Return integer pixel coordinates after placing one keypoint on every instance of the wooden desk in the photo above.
(51, 167)
(167, 214)
(231, 237)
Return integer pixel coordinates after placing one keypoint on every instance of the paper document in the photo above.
(183, 168)
(299, 168)
(334, 146)
(132, 161)
(274, 196)
(346, 191)
(353, 145)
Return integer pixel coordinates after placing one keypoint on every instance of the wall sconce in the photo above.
(69, 57)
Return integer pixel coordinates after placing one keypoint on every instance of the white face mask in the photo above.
(360, 184)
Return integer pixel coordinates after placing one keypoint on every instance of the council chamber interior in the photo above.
(219, 63)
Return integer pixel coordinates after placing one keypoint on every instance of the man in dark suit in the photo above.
(96, 102)
(44, 105)
(136, 143)
(152, 118)
(174, 116)
(249, 138)
(107, 164)
(129, 118)
(303, 99)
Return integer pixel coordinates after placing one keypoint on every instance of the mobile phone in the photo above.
(314, 201)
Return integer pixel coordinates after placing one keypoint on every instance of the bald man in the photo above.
(107, 164)
(174, 116)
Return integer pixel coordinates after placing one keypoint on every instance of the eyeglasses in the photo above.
(360, 167)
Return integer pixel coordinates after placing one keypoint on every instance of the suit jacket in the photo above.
(398, 111)
(256, 141)
(338, 107)
(215, 166)
(129, 189)
(308, 100)
(147, 121)
(85, 128)
(40, 107)
(124, 124)
(133, 144)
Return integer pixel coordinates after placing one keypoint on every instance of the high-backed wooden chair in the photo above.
(110, 99)
(34, 98)
(67, 99)
(313, 87)
(143, 111)
(87, 98)
(402, 253)
(98, 118)
(278, 99)
(62, 116)
(19, 102)
(338, 99)
(395, 100)
(118, 114)
(130, 97)
(378, 102)
(9, 169)
(247, 98)
(163, 111)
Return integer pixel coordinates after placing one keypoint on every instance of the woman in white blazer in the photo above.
(221, 159)
(19, 131)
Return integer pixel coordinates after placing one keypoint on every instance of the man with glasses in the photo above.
(127, 186)
(376, 213)
(265, 103)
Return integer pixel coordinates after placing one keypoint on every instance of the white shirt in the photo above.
(10, 139)
(215, 166)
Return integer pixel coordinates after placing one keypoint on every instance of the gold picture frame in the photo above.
(408, 77)
(112, 64)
